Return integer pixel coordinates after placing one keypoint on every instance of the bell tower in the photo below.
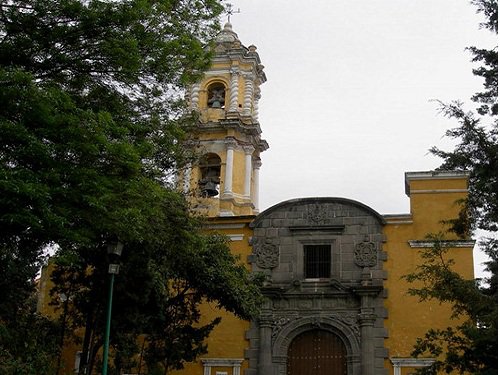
(224, 181)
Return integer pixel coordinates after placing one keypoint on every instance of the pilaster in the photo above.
(248, 169)
(257, 163)
(265, 348)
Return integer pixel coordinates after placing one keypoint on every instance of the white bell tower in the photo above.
(225, 179)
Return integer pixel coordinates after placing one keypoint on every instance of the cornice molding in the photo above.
(446, 243)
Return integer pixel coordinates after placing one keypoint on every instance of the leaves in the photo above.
(91, 129)
(476, 152)
(471, 346)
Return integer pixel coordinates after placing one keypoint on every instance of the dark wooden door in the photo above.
(317, 352)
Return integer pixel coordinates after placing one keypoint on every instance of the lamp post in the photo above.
(114, 250)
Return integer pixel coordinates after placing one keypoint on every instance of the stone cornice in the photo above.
(412, 362)
(432, 175)
(445, 243)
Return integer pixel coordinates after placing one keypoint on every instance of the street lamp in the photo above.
(114, 250)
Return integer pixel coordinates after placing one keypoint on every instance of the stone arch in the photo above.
(348, 334)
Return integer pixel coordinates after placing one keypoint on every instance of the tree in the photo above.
(472, 346)
(91, 130)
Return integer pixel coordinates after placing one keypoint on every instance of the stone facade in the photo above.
(349, 303)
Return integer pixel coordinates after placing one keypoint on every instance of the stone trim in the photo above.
(396, 219)
(435, 175)
(236, 237)
(438, 191)
(319, 200)
(432, 175)
(410, 362)
(338, 229)
(234, 363)
(225, 226)
(415, 244)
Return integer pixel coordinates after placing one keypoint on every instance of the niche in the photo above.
(216, 94)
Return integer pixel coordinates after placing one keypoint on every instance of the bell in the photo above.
(209, 189)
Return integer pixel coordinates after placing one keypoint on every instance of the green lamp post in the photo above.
(115, 251)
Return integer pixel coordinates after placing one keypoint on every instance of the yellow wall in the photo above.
(227, 340)
(432, 200)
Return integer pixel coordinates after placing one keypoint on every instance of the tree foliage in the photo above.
(91, 130)
(469, 347)
(477, 153)
(472, 345)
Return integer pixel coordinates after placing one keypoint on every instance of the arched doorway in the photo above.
(317, 352)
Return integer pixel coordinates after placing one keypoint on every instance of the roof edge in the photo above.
(311, 200)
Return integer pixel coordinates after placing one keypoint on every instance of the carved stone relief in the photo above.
(279, 322)
(267, 254)
(349, 319)
(317, 214)
(365, 254)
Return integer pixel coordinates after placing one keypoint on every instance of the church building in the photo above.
(336, 302)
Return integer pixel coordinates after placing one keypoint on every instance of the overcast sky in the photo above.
(347, 107)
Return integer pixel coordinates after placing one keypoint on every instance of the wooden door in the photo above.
(317, 352)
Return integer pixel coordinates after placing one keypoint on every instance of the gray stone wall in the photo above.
(349, 303)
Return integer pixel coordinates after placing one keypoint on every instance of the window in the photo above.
(317, 261)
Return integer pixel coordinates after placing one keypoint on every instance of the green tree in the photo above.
(91, 131)
(472, 346)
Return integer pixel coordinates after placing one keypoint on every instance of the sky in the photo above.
(349, 103)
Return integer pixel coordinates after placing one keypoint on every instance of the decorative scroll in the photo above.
(365, 254)
(267, 254)
(280, 322)
(349, 319)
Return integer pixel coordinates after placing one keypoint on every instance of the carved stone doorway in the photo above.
(317, 352)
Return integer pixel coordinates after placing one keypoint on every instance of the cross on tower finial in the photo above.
(230, 11)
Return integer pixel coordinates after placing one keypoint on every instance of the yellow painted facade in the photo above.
(223, 185)
(433, 199)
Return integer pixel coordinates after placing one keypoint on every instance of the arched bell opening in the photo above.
(216, 95)
(209, 182)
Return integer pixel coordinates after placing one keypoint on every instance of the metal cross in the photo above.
(230, 11)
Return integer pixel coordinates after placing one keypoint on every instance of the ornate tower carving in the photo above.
(227, 138)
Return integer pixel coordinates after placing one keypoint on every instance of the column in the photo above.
(257, 163)
(248, 169)
(256, 104)
(233, 102)
(265, 350)
(195, 96)
(366, 321)
(187, 180)
(228, 178)
(247, 104)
